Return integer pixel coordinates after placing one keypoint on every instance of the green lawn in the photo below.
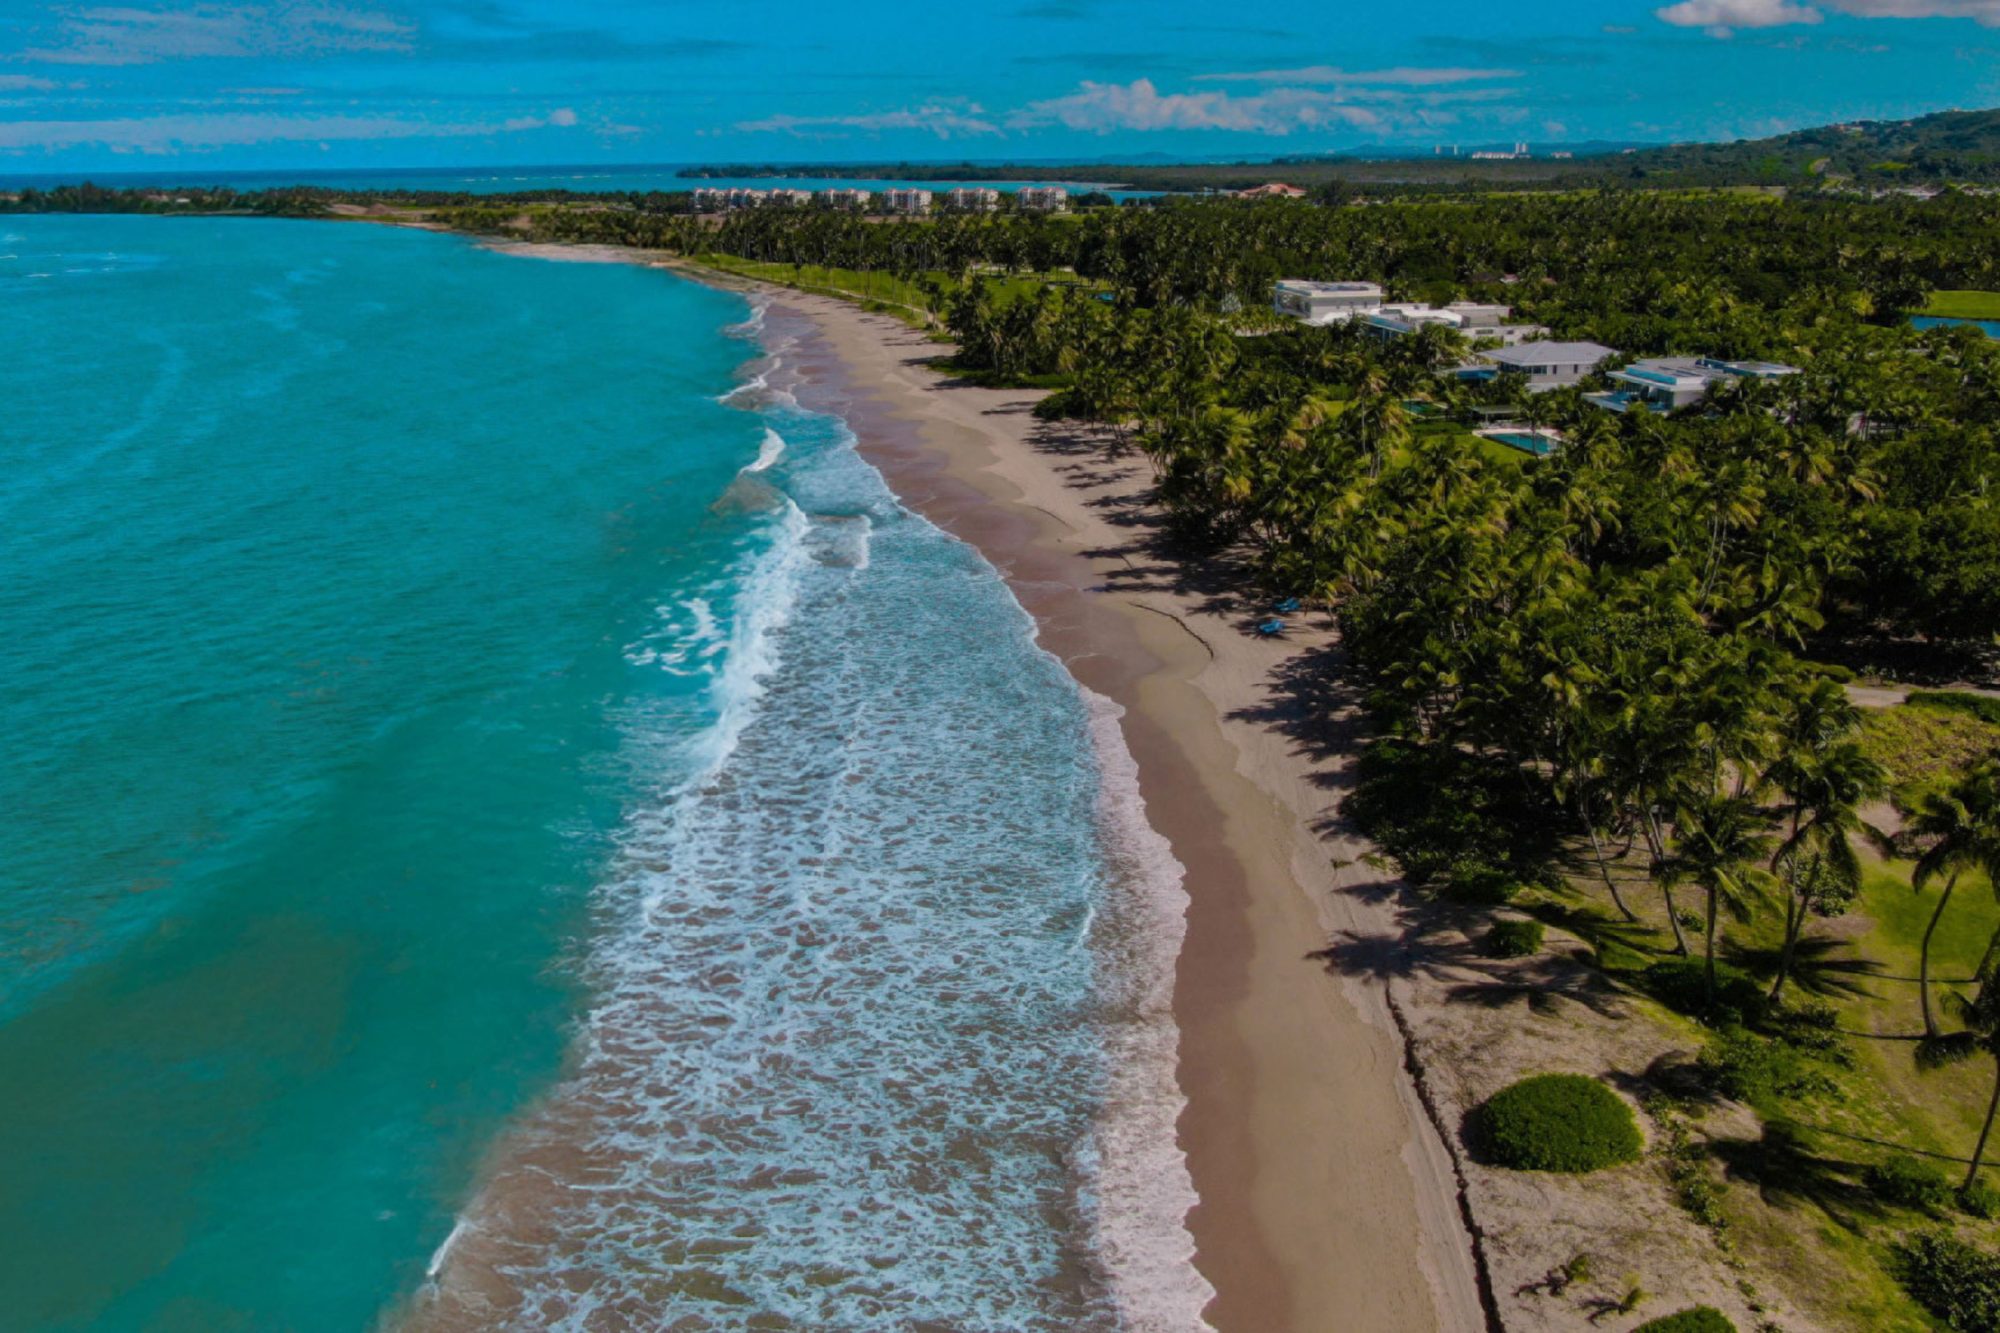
(1924, 744)
(1963, 305)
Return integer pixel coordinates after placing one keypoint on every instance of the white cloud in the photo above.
(129, 35)
(944, 121)
(1103, 107)
(1721, 18)
(1984, 12)
(169, 134)
(1401, 76)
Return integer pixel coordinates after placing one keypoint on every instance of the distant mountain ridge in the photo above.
(1944, 146)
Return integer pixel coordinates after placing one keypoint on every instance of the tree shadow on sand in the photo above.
(1543, 984)
(1786, 1171)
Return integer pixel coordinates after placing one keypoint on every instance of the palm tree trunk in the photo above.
(1597, 845)
(1708, 956)
(1656, 845)
(1985, 1130)
(1924, 957)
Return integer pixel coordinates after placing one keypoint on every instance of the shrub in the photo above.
(1979, 1200)
(1681, 984)
(1484, 886)
(1954, 1281)
(1908, 1181)
(1555, 1122)
(1700, 1319)
(1754, 1069)
(1957, 701)
(1513, 939)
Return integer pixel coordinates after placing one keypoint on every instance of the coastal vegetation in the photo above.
(1648, 694)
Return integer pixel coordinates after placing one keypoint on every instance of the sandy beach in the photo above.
(1328, 1199)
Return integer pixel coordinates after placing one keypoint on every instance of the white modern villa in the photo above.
(1477, 321)
(1326, 302)
(1663, 384)
(1548, 365)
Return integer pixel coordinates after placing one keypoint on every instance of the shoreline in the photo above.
(1319, 1192)
(1321, 1195)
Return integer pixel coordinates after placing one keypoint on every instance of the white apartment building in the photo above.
(972, 200)
(907, 201)
(1042, 198)
(848, 201)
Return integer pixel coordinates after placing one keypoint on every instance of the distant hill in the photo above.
(1946, 146)
(1949, 145)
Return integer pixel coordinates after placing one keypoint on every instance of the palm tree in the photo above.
(1962, 827)
(1981, 1016)
(1825, 775)
(1716, 841)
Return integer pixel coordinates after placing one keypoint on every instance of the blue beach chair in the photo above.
(1271, 629)
(1287, 607)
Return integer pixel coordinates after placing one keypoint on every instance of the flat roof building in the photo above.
(1325, 302)
(907, 201)
(1667, 383)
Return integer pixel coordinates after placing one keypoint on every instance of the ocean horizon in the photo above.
(514, 821)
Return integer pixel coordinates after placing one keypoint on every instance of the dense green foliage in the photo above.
(1958, 1283)
(1698, 1319)
(1556, 1122)
(1513, 938)
(1909, 1182)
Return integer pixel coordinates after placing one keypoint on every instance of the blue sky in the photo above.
(147, 85)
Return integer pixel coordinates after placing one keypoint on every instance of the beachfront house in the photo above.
(1478, 322)
(1548, 365)
(1325, 302)
(907, 201)
(845, 201)
(1664, 384)
(972, 200)
(1042, 199)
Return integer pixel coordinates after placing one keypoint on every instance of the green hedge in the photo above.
(1700, 1319)
(1555, 1122)
(1981, 707)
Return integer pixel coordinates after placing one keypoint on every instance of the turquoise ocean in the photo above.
(506, 822)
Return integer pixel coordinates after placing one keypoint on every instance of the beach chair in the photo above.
(1271, 629)
(1287, 607)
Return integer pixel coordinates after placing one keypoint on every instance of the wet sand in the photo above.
(1328, 1199)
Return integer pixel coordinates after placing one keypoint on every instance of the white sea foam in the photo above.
(1143, 1192)
(883, 1033)
(768, 452)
